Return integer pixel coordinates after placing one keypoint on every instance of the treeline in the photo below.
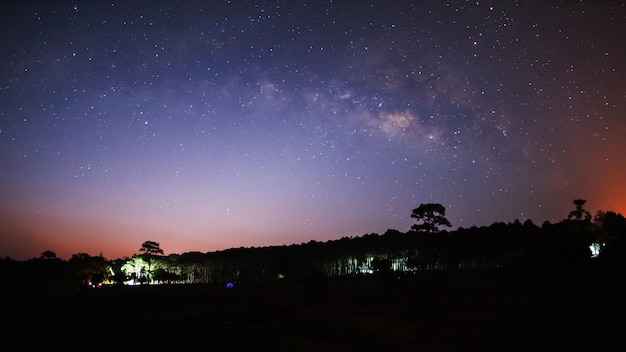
(509, 246)
(500, 246)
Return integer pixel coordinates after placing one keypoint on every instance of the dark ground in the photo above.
(546, 309)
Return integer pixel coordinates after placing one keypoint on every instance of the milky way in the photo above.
(212, 125)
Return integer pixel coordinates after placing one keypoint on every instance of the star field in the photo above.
(211, 125)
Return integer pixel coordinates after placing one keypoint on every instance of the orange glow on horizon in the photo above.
(611, 197)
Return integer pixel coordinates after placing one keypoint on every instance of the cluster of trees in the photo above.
(424, 247)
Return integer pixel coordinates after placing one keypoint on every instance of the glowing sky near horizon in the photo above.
(211, 125)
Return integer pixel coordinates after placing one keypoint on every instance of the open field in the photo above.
(547, 310)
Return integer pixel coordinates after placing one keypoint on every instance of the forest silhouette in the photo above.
(507, 286)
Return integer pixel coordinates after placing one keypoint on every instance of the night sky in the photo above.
(210, 125)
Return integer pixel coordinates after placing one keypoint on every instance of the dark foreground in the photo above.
(544, 310)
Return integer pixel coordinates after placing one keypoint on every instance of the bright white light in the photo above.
(595, 249)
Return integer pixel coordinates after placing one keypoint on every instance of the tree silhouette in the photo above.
(381, 265)
(579, 213)
(118, 276)
(430, 217)
(163, 275)
(48, 255)
(150, 249)
(89, 269)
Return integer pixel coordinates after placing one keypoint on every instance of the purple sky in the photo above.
(226, 124)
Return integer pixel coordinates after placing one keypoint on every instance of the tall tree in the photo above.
(150, 250)
(48, 255)
(430, 217)
(579, 213)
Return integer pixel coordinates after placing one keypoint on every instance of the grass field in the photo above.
(545, 310)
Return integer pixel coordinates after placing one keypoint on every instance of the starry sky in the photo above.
(207, 125)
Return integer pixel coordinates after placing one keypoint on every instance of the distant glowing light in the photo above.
(595, 248)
